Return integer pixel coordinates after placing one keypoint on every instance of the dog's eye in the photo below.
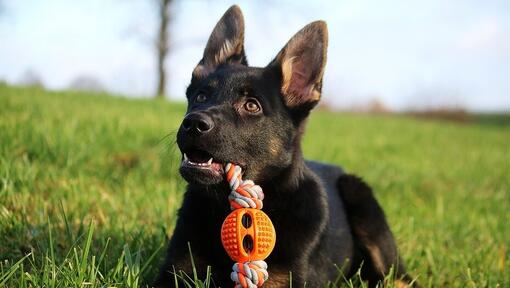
(252, 105)
(200, 98)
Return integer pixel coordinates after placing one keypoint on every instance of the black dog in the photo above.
(255, 117)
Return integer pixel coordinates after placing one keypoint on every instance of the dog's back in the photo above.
(338, 229)
(357, 221)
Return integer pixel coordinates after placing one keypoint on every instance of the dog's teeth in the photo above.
(185, 157)
(209, 162)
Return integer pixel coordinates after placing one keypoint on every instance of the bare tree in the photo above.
(166, 10)
(162, 45)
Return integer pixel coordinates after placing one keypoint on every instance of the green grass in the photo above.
(89, 188)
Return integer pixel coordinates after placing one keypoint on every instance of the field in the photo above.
(89, 188)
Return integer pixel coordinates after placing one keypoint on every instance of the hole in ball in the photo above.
(246, 221)
(248, 243)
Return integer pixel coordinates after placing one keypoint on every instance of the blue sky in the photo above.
(409, 54)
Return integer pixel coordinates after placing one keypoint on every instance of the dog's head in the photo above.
(249, 116)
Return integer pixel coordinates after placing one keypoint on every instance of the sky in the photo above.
(407, 54)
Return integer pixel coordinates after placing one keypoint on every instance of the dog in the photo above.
(255, 117)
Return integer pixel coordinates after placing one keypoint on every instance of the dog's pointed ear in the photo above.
(301, 63)
(225, 45)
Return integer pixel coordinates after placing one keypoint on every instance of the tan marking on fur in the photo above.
(275, 146)
(225, 51)
(199, 71)
(376, 256)
(316, 95)
(287, 73)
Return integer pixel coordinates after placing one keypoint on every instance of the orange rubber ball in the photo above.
(248, 235)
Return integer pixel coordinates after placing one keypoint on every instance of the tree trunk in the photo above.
(162, 45)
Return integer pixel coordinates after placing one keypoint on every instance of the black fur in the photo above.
(322, 216)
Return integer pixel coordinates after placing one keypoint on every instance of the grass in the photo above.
(89, 188)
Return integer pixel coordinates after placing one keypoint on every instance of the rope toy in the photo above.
(247, 234)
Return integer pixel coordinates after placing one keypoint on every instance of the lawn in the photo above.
(89, 188)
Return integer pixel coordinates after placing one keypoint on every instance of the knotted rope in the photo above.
(245, 194)
(249, 274)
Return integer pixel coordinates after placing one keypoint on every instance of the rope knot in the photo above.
(243, 193)
(249, 274)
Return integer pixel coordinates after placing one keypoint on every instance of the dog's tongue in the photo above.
(217, 167)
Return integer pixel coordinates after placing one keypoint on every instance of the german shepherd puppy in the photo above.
(255, 118)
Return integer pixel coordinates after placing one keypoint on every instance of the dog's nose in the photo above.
(197, 123)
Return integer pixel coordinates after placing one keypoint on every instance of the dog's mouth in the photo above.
(199, 159)
(202, 167)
